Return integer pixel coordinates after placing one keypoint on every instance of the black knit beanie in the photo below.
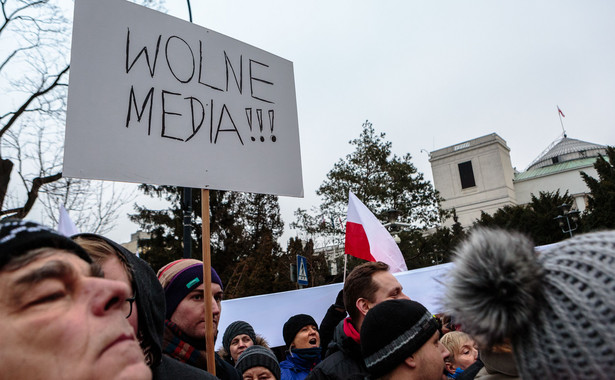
(234, 329)
(258, 356)
(18, 237)
(294, 325)
(392, 331)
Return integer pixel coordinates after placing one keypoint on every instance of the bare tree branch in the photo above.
(21, 212)
(33, 97)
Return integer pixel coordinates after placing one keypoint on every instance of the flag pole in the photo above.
(209, 330)
(345, 263)
(560, 113)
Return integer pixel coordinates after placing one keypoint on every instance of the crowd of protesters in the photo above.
(87, 308)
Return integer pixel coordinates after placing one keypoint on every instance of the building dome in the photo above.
(566, 149)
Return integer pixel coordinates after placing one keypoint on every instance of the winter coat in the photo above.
(295, 367)
(327, 327)
(343, 360)
(498, 366)
(151, 306)
(470, 372)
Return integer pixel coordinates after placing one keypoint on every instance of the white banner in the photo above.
(268, 313)
(155, 99)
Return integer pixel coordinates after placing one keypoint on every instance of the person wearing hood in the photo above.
(303, 341)
(147, 303)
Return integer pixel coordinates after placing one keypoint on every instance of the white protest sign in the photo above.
(155, 99)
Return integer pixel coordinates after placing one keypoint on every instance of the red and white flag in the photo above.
(560, 112)
(367, 239)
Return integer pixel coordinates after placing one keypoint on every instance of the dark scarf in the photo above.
(178, 346)
(304, 358)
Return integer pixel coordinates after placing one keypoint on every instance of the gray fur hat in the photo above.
(556, 307)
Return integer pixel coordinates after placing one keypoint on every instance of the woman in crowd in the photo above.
(238, 336)
(463, 354)
(303, 341)
(258, 363)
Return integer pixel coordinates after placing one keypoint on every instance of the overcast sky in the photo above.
(430, 74)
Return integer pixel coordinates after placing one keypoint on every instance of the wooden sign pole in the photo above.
(207, 297)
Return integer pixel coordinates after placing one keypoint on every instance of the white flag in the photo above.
(65, 225)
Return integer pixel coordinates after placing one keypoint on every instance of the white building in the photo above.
(477, 175)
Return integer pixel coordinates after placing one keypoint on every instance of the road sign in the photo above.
(302, 277)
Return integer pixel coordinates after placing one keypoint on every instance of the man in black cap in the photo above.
(365, 287)
(60, 318)
(400, 340)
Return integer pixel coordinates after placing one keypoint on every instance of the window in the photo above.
(466, 174)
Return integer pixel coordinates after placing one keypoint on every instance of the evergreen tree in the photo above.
(384, 182)
(600, 213)
(244, 229)
(381, 181)
(536, 219)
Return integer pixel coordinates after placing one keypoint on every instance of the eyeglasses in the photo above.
(130, 301)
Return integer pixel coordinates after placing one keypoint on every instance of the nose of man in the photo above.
(215, 307)
(106, 296)
(443, 351)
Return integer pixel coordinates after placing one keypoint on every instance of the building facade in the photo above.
(477, 176)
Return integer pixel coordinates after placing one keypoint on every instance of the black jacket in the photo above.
(327, 327)
(343, 360)
(151, 306)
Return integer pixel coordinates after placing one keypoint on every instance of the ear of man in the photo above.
(450, 368)
(410, 361)
(362, 305)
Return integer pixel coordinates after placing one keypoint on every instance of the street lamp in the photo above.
(438, 260)
(566, 217)
(394, 225)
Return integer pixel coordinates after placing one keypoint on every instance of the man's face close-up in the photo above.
(62, 320)
(430, 358)
(190, 313)
(388, 288)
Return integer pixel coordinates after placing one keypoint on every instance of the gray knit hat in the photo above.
(258, 356)
(234, 329)
(393, 331)
(556, 307)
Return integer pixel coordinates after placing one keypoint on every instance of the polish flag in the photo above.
(560, 112)
(367, 239)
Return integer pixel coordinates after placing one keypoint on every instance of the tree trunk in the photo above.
(6, 167)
